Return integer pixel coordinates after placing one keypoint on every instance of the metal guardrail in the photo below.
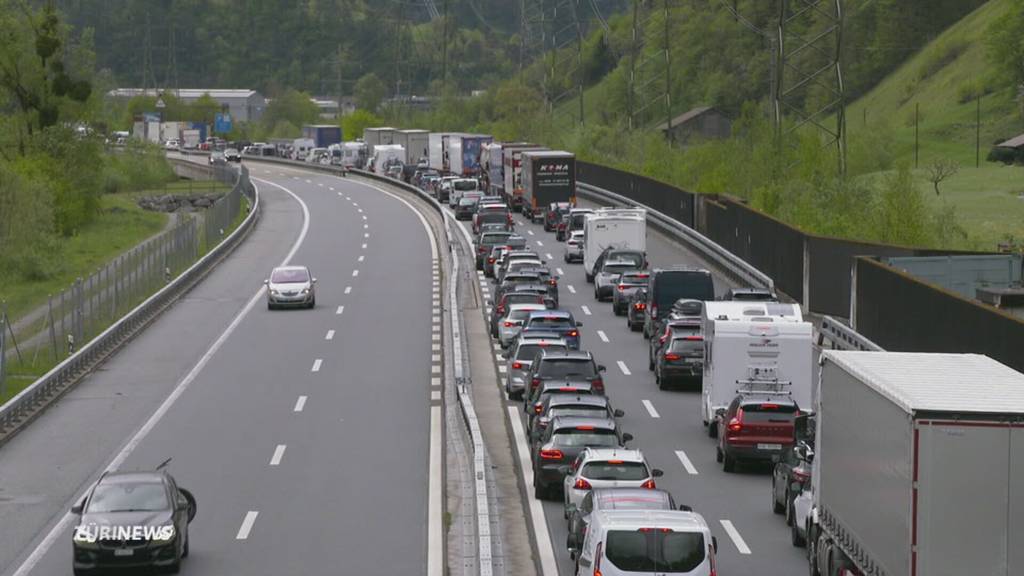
(28, 403)
(704, 246)
(842, 337)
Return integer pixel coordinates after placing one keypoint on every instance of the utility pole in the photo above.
(668, 79)
(917, 134)
(444, 52)
(977, 134)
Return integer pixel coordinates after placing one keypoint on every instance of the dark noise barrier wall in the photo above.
(900, 312)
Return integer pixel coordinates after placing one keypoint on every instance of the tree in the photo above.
(369, 92)
(290, 108)
(204, 109)
(352, 125)
(941, 170)
(1005, 49)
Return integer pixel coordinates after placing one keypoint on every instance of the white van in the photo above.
(755, 347)
(642, 542)
(622, 228)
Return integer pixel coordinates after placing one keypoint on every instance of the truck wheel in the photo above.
(795, 538)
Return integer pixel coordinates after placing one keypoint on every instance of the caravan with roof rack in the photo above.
(754, 348)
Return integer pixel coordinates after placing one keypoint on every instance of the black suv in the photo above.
(638, 258)
(562, 367)
(666, 286)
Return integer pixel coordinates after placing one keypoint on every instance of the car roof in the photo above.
(290, 268)
(527, 306)
(571, 354)
(575, 421)
(552, 313)
(540, 335)
(569, 398)
(606, 498)
(624, 454)
(632, 520)
(520, 275)
(751, 398)
(527, 289)
(554, 386)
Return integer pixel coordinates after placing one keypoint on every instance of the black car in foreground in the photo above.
(562, 441)
(132, 520)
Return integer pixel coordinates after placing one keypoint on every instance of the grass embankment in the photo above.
(941, 81)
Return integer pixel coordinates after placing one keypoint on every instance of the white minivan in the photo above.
(662, 542)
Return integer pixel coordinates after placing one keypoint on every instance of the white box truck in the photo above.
(415, 143)
(512, 164)
(755, 347)
(435, 150)
(464, 153)
(377, 136)
(385, 152)
(622, 228)
(918, 466)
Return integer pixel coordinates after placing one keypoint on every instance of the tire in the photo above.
(270, 306)
(728, 463)
(712, 429)
(789, 509)
(650, 361)
(795, 538)
(590, 278)
(81, 572)
(635, 328)
(658, 379)
(184, 553)
(718, 454)
(312, 303)
(776, 507)
(539, 492)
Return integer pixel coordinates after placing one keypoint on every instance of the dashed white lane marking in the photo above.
(435, 381)
(549, 256)
(539, 243)
(623, 367)
(602, 336)
(435, 369)
(348, 289)
(340, 194)
(367, 235)
(435, 394)
(355, 203)
(559, 271)
(355, 273)
(308, 181)
(435, 357)
(275, 460)
(572, 289)
(530, 232)
(316, 365)
(361, 258)
(364, 217)
(435, 328)
(585, 310)
(331, 188)
(360, 210)
(497, 346)
(502, 368)
(366, 226)
(650, 409)
(734, 534)
(340, 310)
(299, 404)
(330, 335)
(435, 347)
(499, 357)
(246, 527)
(685, 460)
(364, 246)
(320, 184)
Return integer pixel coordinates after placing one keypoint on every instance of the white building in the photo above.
(243, 105)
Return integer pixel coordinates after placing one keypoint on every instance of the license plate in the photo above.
(123, 552)
(769, 446)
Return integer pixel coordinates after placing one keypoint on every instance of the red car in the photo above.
(754, 428)
(554, 215)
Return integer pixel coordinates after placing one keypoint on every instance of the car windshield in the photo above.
(522, 298)
(693, 346)
(568, 368)
(653, 550)
(769, 412)
(589, 411)
(615, 470)
(673, 285)
(634, 258)
(465, 185)
(552, 322)
(635, 502)
(585, 436)
(618, 267)
(578, 220)
(289, 276)
(493, 217)
(495, 238)
(634, 279)
(467, 201)
(129, 497)
(520, 315)
(528, 351)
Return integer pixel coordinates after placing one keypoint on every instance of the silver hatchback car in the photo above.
(519, 358)
(510, 326)
(291, 286)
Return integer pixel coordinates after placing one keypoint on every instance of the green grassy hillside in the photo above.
(941, 80)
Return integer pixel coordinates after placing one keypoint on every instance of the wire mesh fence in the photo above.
(91, 303)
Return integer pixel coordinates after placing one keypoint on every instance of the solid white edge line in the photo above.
(300, 403)
(650, 409)
(63, 524)
(685, 460)
(540, 525)
(734, 535)
(246, 527)
(623, 367)
(275, 460)
(603, 336)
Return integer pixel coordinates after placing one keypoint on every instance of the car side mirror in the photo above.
(601, 368)
(627, 437)
(619, 413)
(78, 508)
(685, 508)
(191, 502)
(657, 473)
(314, 280)
(579, 324)
(265, 282)
(720, 412)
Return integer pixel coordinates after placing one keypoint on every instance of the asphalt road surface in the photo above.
(667, 426)
(305, 435)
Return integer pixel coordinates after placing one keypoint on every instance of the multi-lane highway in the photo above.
(666, 424)
(306, 435)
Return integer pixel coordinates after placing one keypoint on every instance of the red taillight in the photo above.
(553, 282)
(517, 365)
(574, 334)
(501, 310)
(551, 454)
(801, 475)
(581, 484)
(535, 382)
(597, 384)
(509, 324)
(769, 406)
(649, 484)
(694, 338)
(585, 428)
(639, 306)
(538, 408)
(597, 558)
(672, 356)
(735, 425)
(482, 249)
(616, 461)
(490, 260)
